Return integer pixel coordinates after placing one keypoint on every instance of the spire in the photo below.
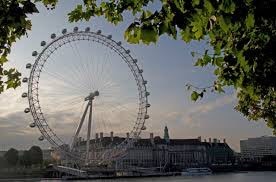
(166, 134)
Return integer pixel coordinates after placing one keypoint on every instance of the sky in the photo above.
(168, 66)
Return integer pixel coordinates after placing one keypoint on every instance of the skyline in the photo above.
(168, 66)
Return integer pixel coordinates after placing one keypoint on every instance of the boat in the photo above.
(196, 171)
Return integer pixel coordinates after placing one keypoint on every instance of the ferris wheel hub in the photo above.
(91, 96)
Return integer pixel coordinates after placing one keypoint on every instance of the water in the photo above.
(229, 177)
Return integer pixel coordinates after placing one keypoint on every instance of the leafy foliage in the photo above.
(11, 156)
(36, 155)
(241, 33)
(25, 159)
(14, 24)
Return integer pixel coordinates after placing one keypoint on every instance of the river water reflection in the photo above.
(229, 177)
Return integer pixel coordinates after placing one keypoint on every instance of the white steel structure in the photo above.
(58, 77)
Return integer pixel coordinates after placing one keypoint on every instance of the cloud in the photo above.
(192, 116)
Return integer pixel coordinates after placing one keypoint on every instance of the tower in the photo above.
(166, 134)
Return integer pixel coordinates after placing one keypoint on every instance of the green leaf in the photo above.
(186, 34)
(223, 24)
(195, 2)
(218, 61)
(207, 59)
(179, 5)
(249, 21)
(208, 5)
(148, 34)
(163, 28)
(217, 71)
(228, 6)
(197, 29)
(133, 34)
(3, 59)
(194, 96)
(217, 48)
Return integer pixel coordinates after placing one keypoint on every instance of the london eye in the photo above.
(83, 83)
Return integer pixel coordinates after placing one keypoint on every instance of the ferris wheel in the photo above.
(83, 83)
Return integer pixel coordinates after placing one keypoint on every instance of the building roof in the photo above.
(105, 141)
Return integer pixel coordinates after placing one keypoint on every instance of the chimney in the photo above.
(210, 140)
(97, 136)
(151, 138)
(127, 135)
(218, 141)
(215, 140)
(111, 135)
(224, 140)
(205, 140)
(101, 135)
(199, 138)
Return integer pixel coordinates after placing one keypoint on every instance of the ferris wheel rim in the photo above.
(107, 41)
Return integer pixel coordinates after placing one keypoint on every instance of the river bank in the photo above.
(13, 173)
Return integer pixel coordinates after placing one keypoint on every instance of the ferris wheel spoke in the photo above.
(74, 73)
(66, 82)
(78, 63)
(108, 71)
(110, 86)
(89, 71)
(83, 67)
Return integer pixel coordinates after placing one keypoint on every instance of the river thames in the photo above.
(229, 177)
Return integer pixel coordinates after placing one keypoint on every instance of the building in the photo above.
(254, 149)
(163, 153)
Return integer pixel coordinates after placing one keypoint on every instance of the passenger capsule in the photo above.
(24, 80)
(64, 31)
(99, 32)
(76, 29)
(143, 128)
(109, 36)
(32, 125)
(28, 65)
(146, 116)
(41, 138)
(34, 53)
(119, 43)
(128, 51)
(147, 93)
(27, 110)
(43, 43)
(24, 95)
(135, 60)
(87, 29)
(140, 71)
(148, 105)
(53, 36)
